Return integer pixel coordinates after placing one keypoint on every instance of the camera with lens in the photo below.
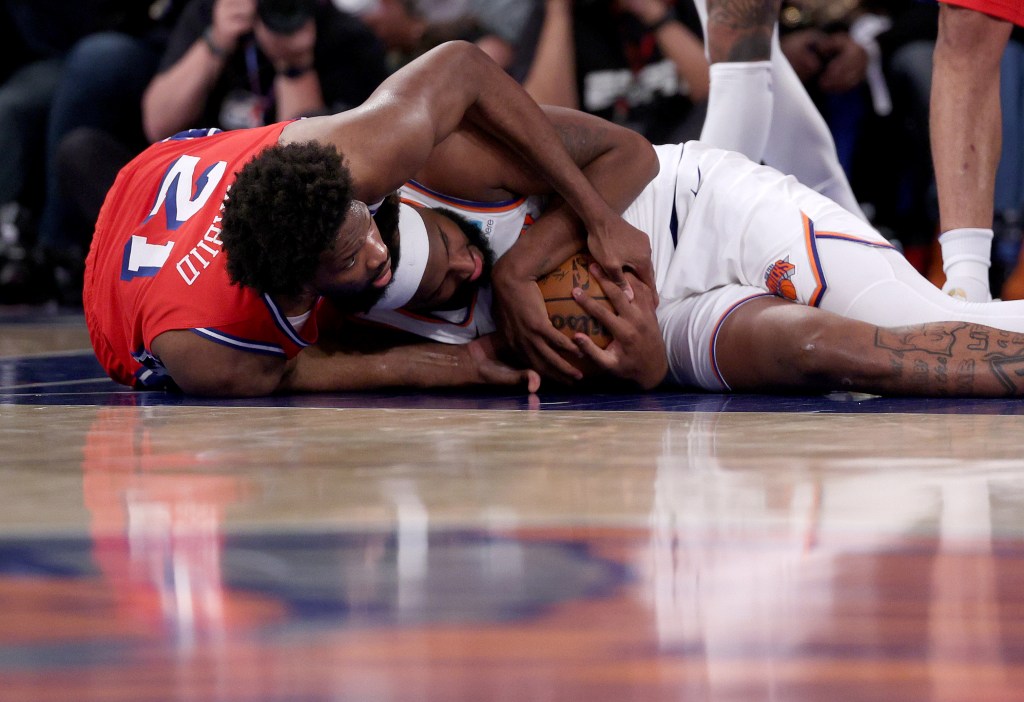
(285, 16)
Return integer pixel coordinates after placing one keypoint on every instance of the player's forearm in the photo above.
(174, 99)
(827, 352)
(619, 163)
(427, 365)
(938, 359)
(948, 359)
(504, 109)
(539, 250)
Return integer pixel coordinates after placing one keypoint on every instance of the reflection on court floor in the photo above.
(395, 546)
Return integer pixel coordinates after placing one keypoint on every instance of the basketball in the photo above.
(563, 311)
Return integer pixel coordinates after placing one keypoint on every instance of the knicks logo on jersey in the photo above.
(778, 279)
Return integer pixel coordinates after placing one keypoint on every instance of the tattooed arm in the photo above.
(741, 30)
(770, 344)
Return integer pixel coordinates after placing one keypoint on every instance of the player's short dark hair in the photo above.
(282, 213)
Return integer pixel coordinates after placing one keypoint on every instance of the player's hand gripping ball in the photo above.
(563, 311)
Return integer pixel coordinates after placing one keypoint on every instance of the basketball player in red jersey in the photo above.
(966, 136)
(162, 307)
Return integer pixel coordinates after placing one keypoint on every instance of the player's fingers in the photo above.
(501, 374)
(548, 362)
(620, 301)
(602, 357)
(607, 317)
(617, 276)
(532, 381)
(645, 298)
(645, 272)
(555, 339)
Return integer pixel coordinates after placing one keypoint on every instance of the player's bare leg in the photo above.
(741, 30)
(966, 137)
(772, 344)
(739, 45)
(758, 106)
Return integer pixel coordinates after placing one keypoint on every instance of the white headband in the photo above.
(412, 260)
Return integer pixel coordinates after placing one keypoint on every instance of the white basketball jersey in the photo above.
(714, 218)
(501, 223)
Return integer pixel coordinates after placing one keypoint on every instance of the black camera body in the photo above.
(285, 16)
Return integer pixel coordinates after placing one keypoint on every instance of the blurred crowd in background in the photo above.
(85, 86)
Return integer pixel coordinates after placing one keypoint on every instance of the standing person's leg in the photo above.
(966, 137)
(737, 37)
(758, 106)
(24, 101)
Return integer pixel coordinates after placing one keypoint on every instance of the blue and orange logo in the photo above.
(779, 279)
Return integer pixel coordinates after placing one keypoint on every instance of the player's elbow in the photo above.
(227, 385)
(633, 154)
(646, 155)
(456, 56)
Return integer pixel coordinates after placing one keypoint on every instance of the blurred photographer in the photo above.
(244, 63)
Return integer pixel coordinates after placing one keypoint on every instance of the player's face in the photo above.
(459, 262)
(359, 262)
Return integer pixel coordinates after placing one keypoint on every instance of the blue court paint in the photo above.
(77, 379)
(318, 580)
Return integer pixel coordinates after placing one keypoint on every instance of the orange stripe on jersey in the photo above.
(468, 205)
(812, 255)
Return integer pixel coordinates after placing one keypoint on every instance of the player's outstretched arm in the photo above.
(424, 365)
(770, 344)
(201, 367)
(387, 139)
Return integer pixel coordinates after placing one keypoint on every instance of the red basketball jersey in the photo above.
(156, 260)
(1009, 10)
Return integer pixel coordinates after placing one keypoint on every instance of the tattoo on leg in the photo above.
(925, 338)
(963, 376)
(955, 358)
(743, 28)
(1010, 372)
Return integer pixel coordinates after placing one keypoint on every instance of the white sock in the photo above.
(740, 108)
(966, 258)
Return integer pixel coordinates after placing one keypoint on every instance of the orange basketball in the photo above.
(563, 311)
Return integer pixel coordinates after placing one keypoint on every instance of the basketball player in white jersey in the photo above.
(750, 76)
(735, 245)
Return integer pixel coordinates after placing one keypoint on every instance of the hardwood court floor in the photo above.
(386, 547)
